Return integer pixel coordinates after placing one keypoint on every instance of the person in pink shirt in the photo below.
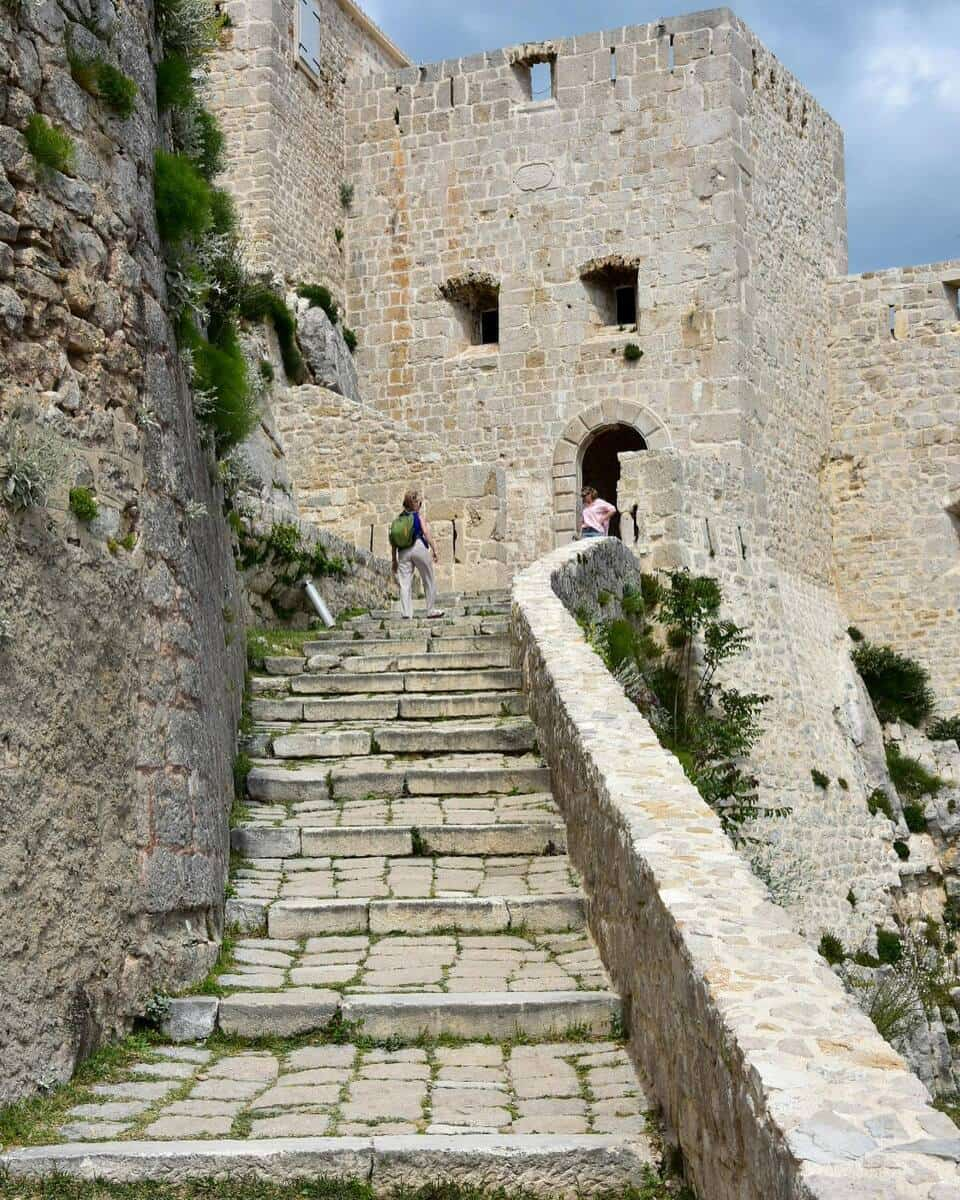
(595, 518)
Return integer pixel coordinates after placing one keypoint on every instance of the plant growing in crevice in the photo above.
(901, 850)
(261, 302)
(898, 686)
(879, 801)
(83, 504)
(182, 197)
(819, 778)
(632, 352)
(910, 777)
(710, 728)
(30, 467)
(350, 338)
(103, 81)
(347, 192)
(175, 87)
(320, 297)
(945, 729)
(156, 1010)
(49, 147)
(913, 816)
(831, 948)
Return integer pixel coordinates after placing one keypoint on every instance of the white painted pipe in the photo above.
(317, 601)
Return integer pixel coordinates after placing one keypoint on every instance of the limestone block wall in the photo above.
(460, 173)
(121, 670)
(351, 466)
(689, 514)
(284, 128)
(893, 472)
(776, 1085)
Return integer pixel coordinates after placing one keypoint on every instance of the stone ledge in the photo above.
(778, 1087)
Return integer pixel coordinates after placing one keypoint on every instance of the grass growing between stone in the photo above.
(654, 1187)
(34, 1122)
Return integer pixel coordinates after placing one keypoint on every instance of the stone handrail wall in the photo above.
(775, 1083)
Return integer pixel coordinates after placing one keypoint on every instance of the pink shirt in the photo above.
(597, 515)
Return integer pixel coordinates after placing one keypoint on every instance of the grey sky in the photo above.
(888, 72)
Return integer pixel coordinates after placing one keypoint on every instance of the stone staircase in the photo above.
(402, 880)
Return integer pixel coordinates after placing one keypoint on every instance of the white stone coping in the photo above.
(778, 1086)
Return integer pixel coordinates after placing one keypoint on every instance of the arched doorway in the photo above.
(587, 453)
(600, 466)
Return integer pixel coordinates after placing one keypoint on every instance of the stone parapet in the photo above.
(777, 1086)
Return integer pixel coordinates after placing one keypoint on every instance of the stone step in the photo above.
(375, 684)
(554, 1167)
(451, 612)
(309, 917)
(414, 630)
(379, 647)
(476, 809)
(504, 734)
(364, 841)
(389, 776)
(498, 656)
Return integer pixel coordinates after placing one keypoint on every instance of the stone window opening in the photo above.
(611, 284)
(308, 37)
(537, 75)
(613, 64)
(952, 288)
(474, 301)
(672, 53)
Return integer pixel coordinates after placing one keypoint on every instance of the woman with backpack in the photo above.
(413, 547)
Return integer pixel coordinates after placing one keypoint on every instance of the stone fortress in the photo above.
(512, 222)
(616, 258)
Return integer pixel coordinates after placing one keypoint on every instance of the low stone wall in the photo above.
(367, 581)
(777, 1086)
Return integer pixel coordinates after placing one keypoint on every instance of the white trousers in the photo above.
(419, 557)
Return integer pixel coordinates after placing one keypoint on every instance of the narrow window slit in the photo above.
(452, 101)
(613, 64)
(892, 319)
(672, 53)
(541, 81)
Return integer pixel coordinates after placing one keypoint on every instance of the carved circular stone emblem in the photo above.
(534, 176)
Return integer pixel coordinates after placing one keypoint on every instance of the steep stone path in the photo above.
(403, 874)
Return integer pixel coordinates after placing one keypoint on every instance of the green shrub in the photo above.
(242, 766)
(346, 195)
(105, 81)
(188, 27)
(632, 352)
(911, 779)
(898, 686)
(818, 777)
(951, 913)
(350, 338)
(320, 297)
(889, 946)
(632, 602)
(913, 815)
(175, 86)
(49, 147)
(621, 645)
(893, 1007)
(210, 157)
(223, 211)
(902, 850)
(266, 370)
(220, 375)
(604, 598)
(854, 633)
(83, 505)
(879, 801)
(945, 729)
(182, 198)
(284, 541)
(851, 899)
(261, 302)
(831, 948)
(842, 784)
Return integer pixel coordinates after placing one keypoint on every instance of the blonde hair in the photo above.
(410, 498)
(589, 494)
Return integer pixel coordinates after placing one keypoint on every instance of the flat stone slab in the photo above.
(357, 841)
(564, 1168)
(467, 704)
(491, 1014)
(535, 837)
(331, 744)
(303, 918)
(265, 841)
(458, 681)
(336, 684)
(486, 915)
(350, 708)
(296, 1010)
(506, 734)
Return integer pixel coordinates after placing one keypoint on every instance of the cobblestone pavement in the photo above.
(331, 1090)
(449, 963)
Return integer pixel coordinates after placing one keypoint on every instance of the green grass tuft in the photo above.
(831, 948)
(83, 504)
(259, 303)
(182, 197)
(104, 81)
(911, 779)
(211, 154)
(899, 686)
(175, 87)
(49, 147)
(319, 297)
(350, 338)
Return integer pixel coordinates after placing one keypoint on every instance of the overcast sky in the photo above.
(888, 72)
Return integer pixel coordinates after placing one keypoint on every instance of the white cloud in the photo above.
(908, 61)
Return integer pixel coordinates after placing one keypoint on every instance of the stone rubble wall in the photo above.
(122, 675)
(775, 1083)
(284, 131)
(893, 471)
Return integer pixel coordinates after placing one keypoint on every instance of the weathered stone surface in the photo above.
(191, 1019)
(297, 1010)
(326, 352)
(498, 1015)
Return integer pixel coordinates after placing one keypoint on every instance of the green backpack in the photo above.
(401, 531)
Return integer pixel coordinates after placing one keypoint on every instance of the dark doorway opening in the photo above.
(601, 467)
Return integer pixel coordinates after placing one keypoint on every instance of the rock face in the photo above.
(119, 663)
(326, 352)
